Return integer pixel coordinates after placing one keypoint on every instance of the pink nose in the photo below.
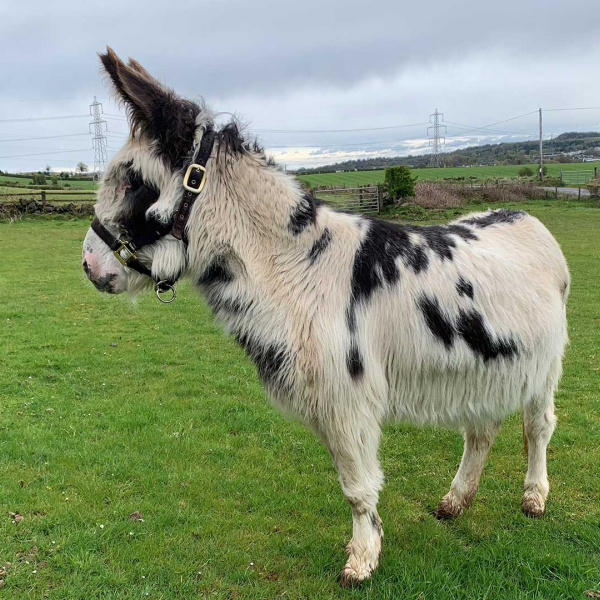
(86, 267)
(85, 263)
(90, 265)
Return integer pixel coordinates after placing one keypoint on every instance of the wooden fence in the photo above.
(49, 196)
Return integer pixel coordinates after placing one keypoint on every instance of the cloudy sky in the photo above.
(317, 81)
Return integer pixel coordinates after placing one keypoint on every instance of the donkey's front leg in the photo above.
(353, 446)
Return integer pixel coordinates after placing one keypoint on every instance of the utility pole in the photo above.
(435, 141)
(541, 149)
(99, 142)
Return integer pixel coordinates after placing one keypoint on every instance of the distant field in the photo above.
(375, 177)
(8, 194)
(86, 185)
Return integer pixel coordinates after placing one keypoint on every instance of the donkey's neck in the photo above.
(258, 247)
(252, 212)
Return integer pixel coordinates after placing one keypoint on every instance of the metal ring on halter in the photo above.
(161, 287)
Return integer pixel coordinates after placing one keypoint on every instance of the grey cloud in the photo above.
(225, 47)
(311, 64)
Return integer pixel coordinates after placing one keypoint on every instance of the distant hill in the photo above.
(566, 148)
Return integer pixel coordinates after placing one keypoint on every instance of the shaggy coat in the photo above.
(351, 321)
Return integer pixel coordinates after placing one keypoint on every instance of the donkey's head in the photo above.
(142, 184)
(245, 203)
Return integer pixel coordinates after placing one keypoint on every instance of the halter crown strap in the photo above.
(193, 182)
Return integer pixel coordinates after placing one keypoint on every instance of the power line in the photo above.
(46, 153)
(336, 130)
(579, 108)
(484, 127)
(472, 128)
(45, 137)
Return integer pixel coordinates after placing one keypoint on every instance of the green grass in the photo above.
(24, 180)
(109, 408)
(354, 178)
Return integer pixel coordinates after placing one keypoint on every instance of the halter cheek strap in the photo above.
(125, 250)
(193, 182)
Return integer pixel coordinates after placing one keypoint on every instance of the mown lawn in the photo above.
(108, 408)
(355, 178)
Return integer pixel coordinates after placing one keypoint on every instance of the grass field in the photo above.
(374, 177)
(84, 185)
(110, 408)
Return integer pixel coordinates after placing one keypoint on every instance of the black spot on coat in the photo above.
(231, 306)
(303, 215)
(496, 217)
(217, 272)
(471, 327)
(354, 362)
(271, 360)
(319, 246)
(440, 325)
(464, 287)
(375, 261)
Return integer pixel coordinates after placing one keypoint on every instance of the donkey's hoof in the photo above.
(449, 507)
(362, 560)
(533, 505)
(351, 577)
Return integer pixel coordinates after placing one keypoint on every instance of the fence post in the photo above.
(379, 199)
(556, 192)
(579, 195)
(43, 197)
(595, 172)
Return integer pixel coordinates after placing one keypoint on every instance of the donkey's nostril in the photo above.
(86, 268)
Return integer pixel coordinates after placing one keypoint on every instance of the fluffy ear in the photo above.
(153, 108)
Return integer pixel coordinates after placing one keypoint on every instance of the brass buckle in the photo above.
(197, 188)
(129, 249)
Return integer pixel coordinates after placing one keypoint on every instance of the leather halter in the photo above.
(125, 249)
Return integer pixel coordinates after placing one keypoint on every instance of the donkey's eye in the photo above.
(135, 181)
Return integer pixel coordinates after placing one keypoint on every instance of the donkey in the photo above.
(351, 321)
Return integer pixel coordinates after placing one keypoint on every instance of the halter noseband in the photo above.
(126, 249)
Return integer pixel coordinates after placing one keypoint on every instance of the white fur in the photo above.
(521, 284)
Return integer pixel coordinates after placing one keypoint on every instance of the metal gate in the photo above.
(579, 176)
(365, 200)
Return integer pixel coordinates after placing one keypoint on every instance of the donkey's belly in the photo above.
(458, 397)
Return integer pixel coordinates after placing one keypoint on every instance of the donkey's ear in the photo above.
(152, 107)
(134, 64)
(140, 92)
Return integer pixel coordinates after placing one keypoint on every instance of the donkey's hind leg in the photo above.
(465, 483)
(353, 446)
(538, 422)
